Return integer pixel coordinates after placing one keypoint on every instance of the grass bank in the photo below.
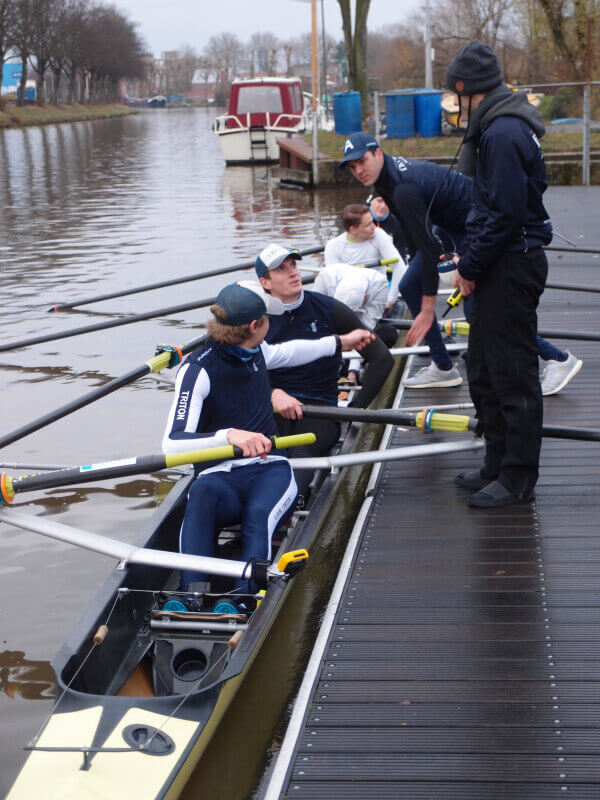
(445, 146)
(16, 117)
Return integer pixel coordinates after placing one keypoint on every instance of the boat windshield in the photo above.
(259, 99)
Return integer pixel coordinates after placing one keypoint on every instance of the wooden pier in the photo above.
(460, 657)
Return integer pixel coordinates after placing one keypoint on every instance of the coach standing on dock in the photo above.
(504, 267)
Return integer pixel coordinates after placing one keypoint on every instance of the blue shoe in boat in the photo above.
(225, 607)
(175, 605)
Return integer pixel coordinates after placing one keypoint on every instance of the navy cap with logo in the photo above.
(272, 257)
(245, 301)
(357, 144)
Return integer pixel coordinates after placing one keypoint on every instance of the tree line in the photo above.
(90, 45)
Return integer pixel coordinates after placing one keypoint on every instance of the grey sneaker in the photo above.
(432, 376)
(558, 373)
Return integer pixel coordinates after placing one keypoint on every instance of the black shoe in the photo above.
(471, 480)
(495, 495)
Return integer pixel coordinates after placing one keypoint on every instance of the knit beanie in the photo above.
(473, 70)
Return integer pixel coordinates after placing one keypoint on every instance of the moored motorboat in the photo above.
(259, 111)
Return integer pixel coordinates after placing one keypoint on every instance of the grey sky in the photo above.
(168, 24)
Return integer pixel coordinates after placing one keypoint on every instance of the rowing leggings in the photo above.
(257, 495)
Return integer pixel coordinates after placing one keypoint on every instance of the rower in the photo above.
(222, 396)
(362, 243)
(309, 315)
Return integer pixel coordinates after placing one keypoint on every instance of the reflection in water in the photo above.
(31, 680)
(90, 208)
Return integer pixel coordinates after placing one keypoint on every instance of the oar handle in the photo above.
(11, 485)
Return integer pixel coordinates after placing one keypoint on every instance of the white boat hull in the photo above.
(246, 145)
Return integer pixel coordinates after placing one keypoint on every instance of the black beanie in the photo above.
(474, 69)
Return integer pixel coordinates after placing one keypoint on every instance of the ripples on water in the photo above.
(89, 208)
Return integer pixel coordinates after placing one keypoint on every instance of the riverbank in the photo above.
(562, 150)
(19, 116)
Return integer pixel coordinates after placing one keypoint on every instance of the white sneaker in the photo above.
(432, 376)
(558, 373)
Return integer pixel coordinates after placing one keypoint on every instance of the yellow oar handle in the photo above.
(385, 263)
(452, 327)
(230, 451)
(429, 420)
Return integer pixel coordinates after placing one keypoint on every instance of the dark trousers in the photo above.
(327, 432)
(386, 332)
(502, 367)
(257, 495)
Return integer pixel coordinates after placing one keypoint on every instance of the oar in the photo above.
(455, 347)
(11, 485)
(161, 361)
(429, 420)
(114, 323)
(461, 328)
(570, 287)
(129, 553)
(386, 262)
(171, 282)
(375, 456)
(573, 250)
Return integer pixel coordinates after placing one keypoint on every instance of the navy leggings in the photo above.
(411, 289)
(257, 495)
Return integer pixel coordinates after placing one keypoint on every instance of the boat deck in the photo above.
(464, 660)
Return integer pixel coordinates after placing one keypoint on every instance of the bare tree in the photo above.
(7, 13)
(355, 41)
(225, 51)
(20, 39)
(267, 47)
(44, 36)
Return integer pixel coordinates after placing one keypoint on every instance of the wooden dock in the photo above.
(460, 658)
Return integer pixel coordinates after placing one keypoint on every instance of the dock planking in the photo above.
(464, 662)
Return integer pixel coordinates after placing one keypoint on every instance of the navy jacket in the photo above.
(449, 210)
(311, 320)
(508, 213)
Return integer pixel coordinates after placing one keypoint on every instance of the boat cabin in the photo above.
(280, 98)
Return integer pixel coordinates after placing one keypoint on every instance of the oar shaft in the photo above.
(461, 328)
(115, 323)
(569, 287)
(10, 486)
(171, 282)
(153, 364)
(121, 550)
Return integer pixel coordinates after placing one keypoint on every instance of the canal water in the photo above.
(86, 209)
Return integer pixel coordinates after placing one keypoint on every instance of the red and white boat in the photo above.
(260, 111)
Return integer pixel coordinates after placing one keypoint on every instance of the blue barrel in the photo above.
(428, 112)
(347, 113)
(400, 114)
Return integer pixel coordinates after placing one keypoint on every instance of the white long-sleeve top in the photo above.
(341, 250)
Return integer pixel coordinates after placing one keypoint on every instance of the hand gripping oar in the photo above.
(10, 485)
(167, 356)
(429, 420)
(171, 282)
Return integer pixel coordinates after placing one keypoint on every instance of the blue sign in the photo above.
(11, 75)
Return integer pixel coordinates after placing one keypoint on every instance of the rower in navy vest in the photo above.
(223, 396)
(310, 315)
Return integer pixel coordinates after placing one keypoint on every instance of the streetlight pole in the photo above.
(324, 57)
(315, 99)
(428, 74)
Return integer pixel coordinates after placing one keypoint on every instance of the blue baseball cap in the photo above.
(245, 301)
(357, 144)
(272, 257)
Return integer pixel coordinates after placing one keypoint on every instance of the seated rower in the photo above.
(362, 243)
(222, 396)
(309, 315)
(364, 291)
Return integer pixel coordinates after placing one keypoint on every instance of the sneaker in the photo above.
(558, 373)
(432, 376)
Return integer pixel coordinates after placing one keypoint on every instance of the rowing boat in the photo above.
(141, 692)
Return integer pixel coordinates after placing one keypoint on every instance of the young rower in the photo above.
(223, 396)
(309, 315)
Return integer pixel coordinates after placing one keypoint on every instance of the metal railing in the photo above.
(220, 123)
